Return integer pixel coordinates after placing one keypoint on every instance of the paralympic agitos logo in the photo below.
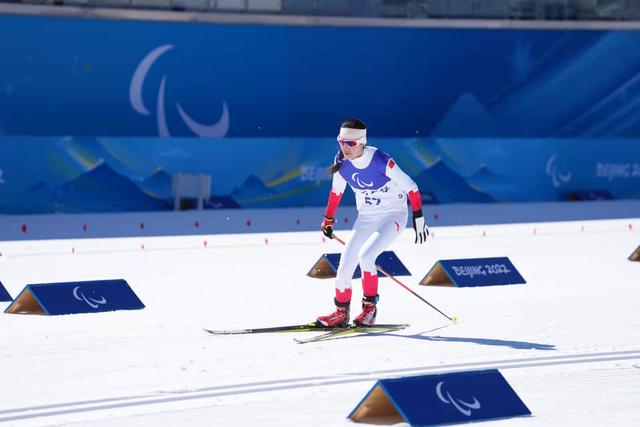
(558, 177)
(91, 302)
(464, 407)
(216, 130)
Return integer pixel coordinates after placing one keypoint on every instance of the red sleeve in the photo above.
(415, 200)
(332, 204)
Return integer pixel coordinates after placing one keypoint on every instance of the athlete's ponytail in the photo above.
(336, 166)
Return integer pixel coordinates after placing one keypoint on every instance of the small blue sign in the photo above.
(441, 399)
(4, 295)
(76, 297)
(327, 266)
(473, 272)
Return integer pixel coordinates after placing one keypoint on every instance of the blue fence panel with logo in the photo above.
(76, 297)
(470, 272)
(483, 271)
(63, 76)
(48, 175)
(443, 399)
(541, 116)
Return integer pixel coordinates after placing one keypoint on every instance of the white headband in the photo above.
(348, 134)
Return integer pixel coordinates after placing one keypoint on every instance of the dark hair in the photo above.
(350, 123)
(353, 124)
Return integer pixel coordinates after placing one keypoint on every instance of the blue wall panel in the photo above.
(473, 115)
(82, 77)
(46, 175)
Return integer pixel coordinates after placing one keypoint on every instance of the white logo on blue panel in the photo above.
(462, 406)
(558, 178)
(216, 130)
(92, 302)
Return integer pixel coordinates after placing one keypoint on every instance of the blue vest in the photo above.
(373, 177)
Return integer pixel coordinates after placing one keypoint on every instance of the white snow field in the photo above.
(568, 341)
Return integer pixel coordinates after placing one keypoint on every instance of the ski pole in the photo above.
(452, 318)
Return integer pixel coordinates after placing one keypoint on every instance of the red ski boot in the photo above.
(339, 318)
(369, 311)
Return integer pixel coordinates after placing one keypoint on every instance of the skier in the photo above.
(381, 189)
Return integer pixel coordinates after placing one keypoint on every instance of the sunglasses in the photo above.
(347, 143)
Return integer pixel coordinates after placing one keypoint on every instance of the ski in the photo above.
(352, 329)
(307, 327)
(328, 335)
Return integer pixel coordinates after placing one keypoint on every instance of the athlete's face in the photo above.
(351, 151)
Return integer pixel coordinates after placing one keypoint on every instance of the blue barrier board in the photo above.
(327, 266)
(473, 272)
(441, 399)
(75, 297)
(4, 295)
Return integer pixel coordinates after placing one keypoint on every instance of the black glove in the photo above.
(327, 226)
(420, 227)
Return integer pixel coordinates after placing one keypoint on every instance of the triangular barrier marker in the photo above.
(75, 297)
(635, 256)
(327, 266)
(440, 399)
(4, 295)
(25, 303)
(473, 272)
(437, 276)
(376, 408)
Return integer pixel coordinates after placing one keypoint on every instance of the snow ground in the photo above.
(568, 341)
